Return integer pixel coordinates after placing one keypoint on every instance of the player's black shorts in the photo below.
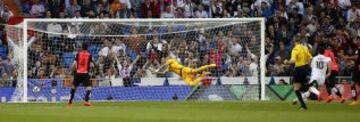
(332, 77)
(82, 79)
(300, 74)
(356, 77)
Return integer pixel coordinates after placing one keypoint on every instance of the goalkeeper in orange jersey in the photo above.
(191, 76)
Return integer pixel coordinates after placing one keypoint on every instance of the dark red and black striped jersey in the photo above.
(83, 60)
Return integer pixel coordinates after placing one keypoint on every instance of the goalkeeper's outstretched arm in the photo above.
(158, 70)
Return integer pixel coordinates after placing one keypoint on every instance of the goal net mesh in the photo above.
(125, 51)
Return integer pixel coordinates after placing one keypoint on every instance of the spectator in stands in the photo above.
(335, 22)
(73, 8)
(55, 7)
(125, 70)
(37, 9)
(57, 72)
(353, 14)
(279, 67)
(282, 82)
(179, 13)
(265, 10)
(146, 7)
(6, 13)
(217, 8)
(8, 65)
(201, 13)
(26, 7)
(2, 67)
(158, 12)
(188, 9)
(126, 4)
(42, 75)
(167, 13)
(5, 80)
(101, 8)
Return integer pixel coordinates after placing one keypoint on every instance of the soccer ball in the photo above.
(36, 89)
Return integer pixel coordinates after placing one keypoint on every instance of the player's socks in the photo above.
(312, 89)
(306, 94)
(72, 93)
(328, 89)
(354, 93)
(87, 95)
(301, 100)
(337, 92)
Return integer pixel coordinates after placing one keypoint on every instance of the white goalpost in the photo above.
(125, 49)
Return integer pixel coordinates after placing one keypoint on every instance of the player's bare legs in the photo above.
(203, 68)
(197, 80)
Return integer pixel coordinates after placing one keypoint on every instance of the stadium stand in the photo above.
(333, 21)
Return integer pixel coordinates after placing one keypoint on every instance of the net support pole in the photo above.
(262, 60)
(25, 50)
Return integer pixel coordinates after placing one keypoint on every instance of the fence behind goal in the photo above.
(125, 50)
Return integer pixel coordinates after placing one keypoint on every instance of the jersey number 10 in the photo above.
(320, 64)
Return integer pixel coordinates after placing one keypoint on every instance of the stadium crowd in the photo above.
(334, 22)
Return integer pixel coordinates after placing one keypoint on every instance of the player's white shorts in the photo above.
(320, 79)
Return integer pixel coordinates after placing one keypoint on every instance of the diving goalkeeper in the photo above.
(191, 76)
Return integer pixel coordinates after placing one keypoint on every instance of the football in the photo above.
(36, 89)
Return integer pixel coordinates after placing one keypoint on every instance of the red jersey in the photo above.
(331, 55)
(83, 60)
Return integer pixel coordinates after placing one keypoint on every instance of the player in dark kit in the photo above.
(82, 67)
(331, 81)
(356, 74)
(356, 79)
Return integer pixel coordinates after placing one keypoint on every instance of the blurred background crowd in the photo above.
(334, 22)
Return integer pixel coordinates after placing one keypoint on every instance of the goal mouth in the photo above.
(48, 48)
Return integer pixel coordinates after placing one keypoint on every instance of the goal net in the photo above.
(125, 51)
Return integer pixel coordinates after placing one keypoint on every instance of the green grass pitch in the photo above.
(179, 112)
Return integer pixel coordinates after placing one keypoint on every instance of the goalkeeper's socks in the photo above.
(72, 93)
(87, 95)
(353, 92)
(301, 100)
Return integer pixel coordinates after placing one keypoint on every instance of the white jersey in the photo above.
(319, 66)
